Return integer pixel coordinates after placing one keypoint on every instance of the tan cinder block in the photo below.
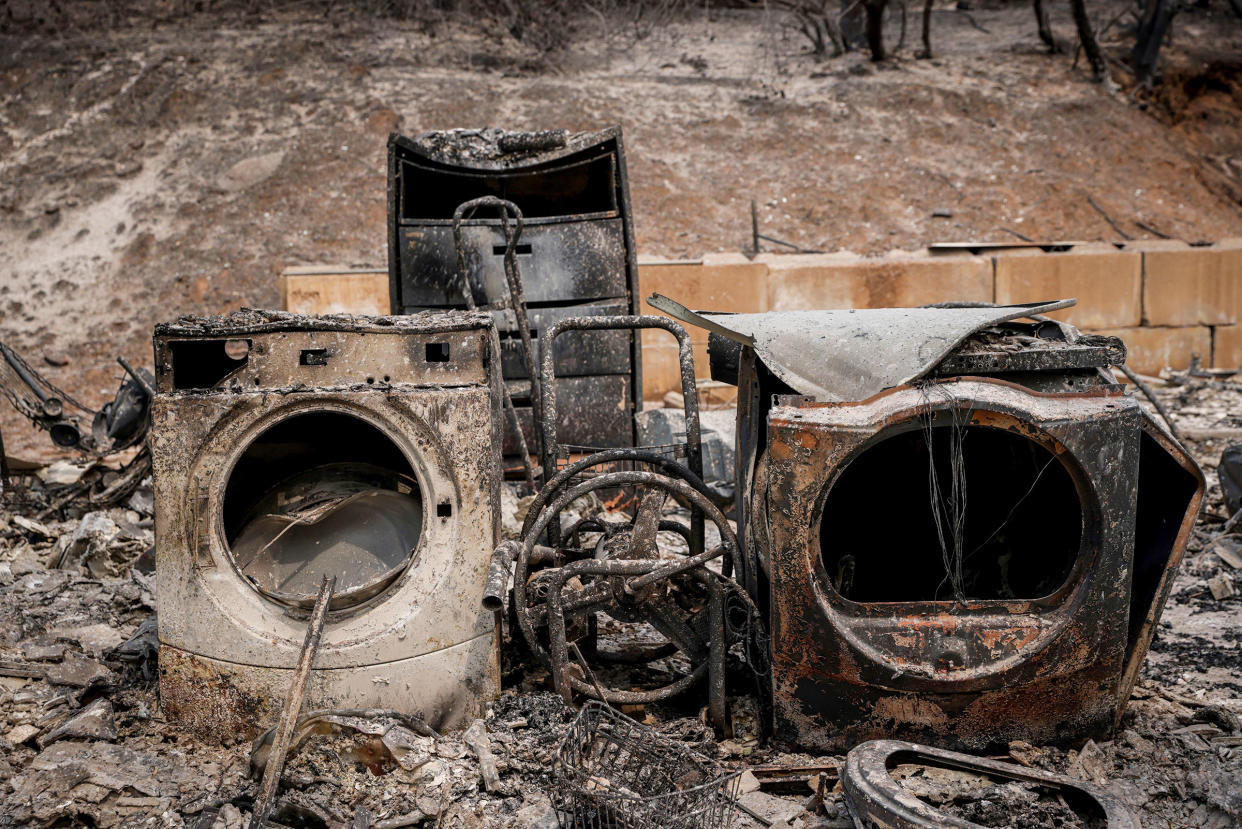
(819, 281)
(662, 368)
(722, 282)
(1151, 349)
(1156, 244)
(1192, 286)
(1227, 346)
(307, 291)
(1106, 283)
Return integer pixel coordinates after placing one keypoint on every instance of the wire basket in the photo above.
(613, 773)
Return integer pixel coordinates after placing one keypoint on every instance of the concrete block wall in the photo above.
(1166, 299)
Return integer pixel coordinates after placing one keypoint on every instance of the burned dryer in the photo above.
(962, 530)
(289, 448)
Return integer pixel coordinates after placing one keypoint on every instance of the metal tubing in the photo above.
(498, 575)
(717, 705)
(517, 295)
(689, 390)
(637, 575)
(557, 481)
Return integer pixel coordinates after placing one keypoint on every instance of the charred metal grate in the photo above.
(614, 772)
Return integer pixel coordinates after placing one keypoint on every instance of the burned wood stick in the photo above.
(1108, 219)
(1153, 231)
(21, 670)
(476, 738)
(293, 707)
(1155, 401)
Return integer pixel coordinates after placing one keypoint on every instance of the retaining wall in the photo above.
(1166, 299)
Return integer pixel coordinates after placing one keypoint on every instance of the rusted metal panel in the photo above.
(430, 426)
(577, 353)
(581, 420)
(268, 350)
(855, 353)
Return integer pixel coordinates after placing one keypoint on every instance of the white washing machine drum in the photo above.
(356, 521)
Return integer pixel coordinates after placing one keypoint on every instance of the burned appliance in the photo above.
(961, 528)
(535, 228)
(288, 449)
(603, 588)
(121, 422)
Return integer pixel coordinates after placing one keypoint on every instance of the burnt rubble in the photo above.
(1175, 759)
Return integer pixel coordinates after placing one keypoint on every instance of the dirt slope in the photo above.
(161, 169)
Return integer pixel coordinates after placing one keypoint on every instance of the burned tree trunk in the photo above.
(1086, 36)
(1154, 25)
(852, 23)
(875, 28)
(1045, 30)
(927, 10)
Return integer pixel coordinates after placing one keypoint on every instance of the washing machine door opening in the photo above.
(946, 513)
(322, 494)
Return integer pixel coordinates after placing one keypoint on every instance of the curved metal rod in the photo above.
(635, 455)
(1150, 394)
(566, 684)
(689, 390)
(652, 570)
(517, 294)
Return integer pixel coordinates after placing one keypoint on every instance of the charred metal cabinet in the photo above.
(576, 258)
(1075, 509)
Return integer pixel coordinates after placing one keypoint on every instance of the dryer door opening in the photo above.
(322, 494)
(926, 515)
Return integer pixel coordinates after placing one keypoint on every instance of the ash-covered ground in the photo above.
(84, 742)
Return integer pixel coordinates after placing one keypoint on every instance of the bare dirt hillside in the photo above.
(159, 168)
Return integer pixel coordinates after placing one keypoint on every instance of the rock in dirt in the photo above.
(1222, 587)
(770, 807)
(94, 722)
(79, 671)
(21, 733)
(1220, 716)
(33, 527)
(251, 171)
(476, 737)
(536, 812)
(62, 472)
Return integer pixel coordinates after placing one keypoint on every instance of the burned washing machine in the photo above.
(289, 448)
(962, 530)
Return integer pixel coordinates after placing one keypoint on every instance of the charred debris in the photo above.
(439, 568)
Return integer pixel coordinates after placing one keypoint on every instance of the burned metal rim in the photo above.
(981, 417)
(877, 801)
